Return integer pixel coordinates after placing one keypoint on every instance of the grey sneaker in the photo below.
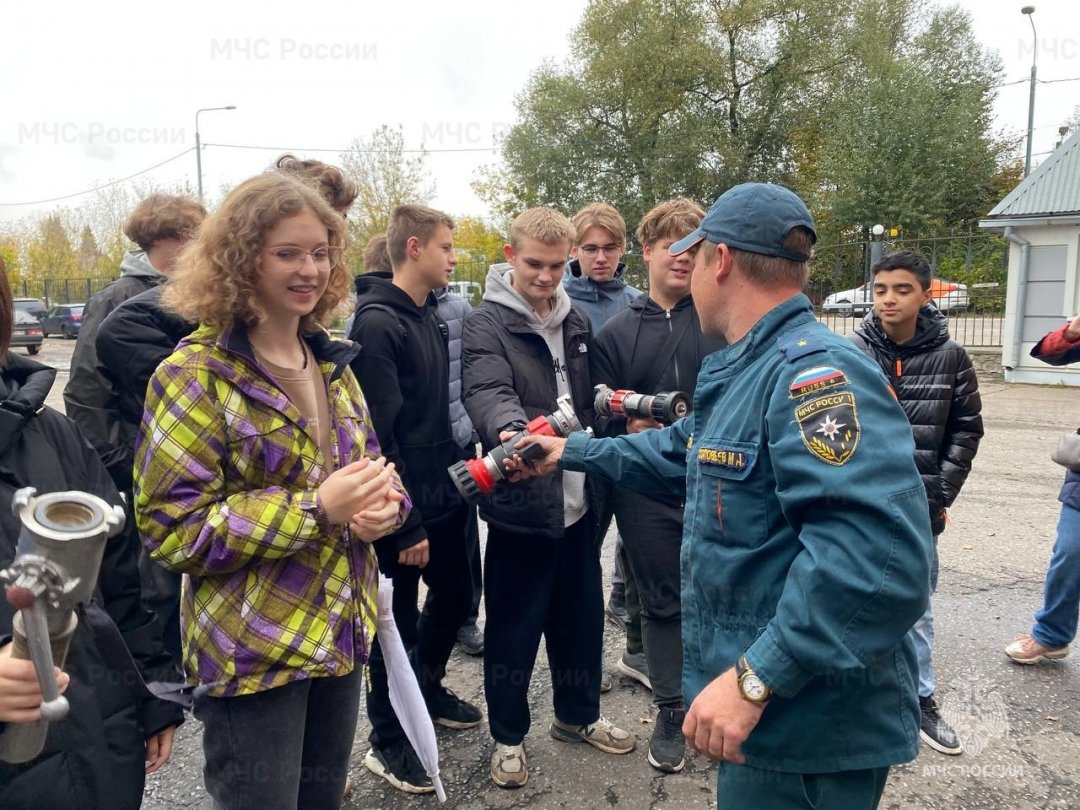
(602, 735)
(471, 639)
(508, 766)
(605, 681)
(634, 665)
(667, 748)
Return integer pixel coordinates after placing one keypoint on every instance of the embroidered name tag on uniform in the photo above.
(728, 459)
(817, 379)
(830, 427)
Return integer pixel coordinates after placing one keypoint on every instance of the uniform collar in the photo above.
(778, 320)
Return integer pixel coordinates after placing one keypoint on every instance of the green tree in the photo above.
(50, 254)
(387, 176)
(89, 253)
(875, 110)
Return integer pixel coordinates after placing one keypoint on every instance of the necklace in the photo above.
(260, 355)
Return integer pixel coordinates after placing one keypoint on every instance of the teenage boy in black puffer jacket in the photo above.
(936, 385)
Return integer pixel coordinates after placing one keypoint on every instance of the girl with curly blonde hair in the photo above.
(258, 475)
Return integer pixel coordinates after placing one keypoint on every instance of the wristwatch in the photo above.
(750, 685)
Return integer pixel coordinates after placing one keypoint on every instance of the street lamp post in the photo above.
(198, 143)
(877, 249)
(1029, 12)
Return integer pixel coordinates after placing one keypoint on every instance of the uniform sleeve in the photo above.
(376, 369)
(650, 462)
(963, 432)
(487, 380)
(861, 578)
(186, 519)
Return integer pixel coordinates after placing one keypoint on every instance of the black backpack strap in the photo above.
(382, 308)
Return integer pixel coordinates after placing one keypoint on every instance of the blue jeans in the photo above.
(922, 635)
(1055, 624)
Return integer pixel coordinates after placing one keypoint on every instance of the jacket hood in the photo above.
(650, 307)
(135, 263)
(584, 288)
(378, 288)
(24, 385)
(499, 290)
(931, 331)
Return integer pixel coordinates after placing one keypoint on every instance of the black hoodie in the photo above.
(625, 352)
(404, 370)
(936, 385)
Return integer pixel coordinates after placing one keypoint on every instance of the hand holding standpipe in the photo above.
(56, 568)
(666, 407)
(480, 476)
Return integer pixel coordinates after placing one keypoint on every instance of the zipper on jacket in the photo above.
(670, 329)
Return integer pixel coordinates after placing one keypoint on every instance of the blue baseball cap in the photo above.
(755, 217)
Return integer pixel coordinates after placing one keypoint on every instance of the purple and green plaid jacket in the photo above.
(225, 487)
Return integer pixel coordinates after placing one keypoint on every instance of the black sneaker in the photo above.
(934, 731)
(448, 710)
(667, 748)
(399, 765)
(471, 639)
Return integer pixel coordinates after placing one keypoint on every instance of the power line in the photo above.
(103, 186)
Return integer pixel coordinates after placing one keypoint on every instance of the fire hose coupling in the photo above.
(57, 561)
(479, 476)
(666, 407)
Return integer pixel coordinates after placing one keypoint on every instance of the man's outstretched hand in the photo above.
(546, 464)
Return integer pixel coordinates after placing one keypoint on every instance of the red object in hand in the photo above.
(20, 598)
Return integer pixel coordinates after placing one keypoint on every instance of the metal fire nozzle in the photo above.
(479, 476)
(666, 407)
(56, 567)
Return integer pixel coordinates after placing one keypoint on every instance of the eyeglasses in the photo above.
(325, 258)
(592, 250)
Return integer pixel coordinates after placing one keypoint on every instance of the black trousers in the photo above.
(429, 636)
(652, 538)
(535, 586)
(472, 538)
(283, 749)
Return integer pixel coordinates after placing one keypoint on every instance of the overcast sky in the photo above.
(94, 92)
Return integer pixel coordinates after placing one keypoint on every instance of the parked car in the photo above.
(26, 332)
(466, 289)
(947, 296)
(35, 306)
(63, 320)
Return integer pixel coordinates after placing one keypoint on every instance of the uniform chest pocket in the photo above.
(730, 502)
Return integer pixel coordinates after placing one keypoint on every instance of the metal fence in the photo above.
(976, 264)
(53, 291)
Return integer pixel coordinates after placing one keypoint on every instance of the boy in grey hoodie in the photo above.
(522, 348)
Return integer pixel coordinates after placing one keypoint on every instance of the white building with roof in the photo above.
(1041, 220)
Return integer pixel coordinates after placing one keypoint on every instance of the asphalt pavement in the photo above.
(1020, 725)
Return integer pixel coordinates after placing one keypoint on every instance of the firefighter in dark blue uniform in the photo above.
(806, 548)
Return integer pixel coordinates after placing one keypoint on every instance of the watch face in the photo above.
(755, 688)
